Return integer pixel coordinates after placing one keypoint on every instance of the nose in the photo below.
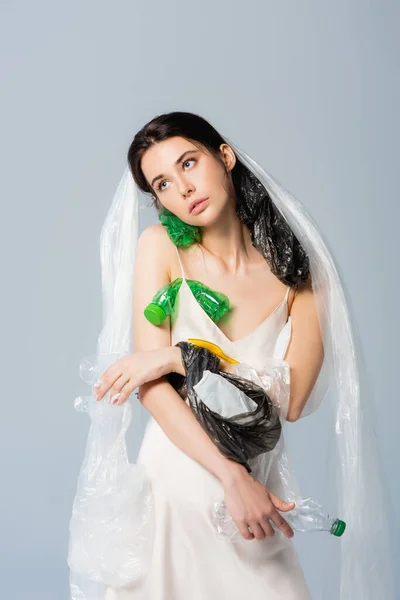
(186, 187)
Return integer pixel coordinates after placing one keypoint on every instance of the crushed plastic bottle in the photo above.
(163, 302)
(306, 516)
(215, 304)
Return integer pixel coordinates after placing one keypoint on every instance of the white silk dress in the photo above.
(188, 561)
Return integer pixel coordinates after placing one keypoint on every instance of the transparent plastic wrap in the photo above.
(280, 226)
(273, 377)
(111, 529)
(112, 523)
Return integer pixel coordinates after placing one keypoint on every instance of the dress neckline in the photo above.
(219, 331)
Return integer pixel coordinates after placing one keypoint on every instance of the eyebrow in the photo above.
(178, 160)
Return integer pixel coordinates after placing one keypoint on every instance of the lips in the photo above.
(195, 202)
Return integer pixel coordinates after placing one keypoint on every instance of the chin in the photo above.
(210, 217)
(206, 218)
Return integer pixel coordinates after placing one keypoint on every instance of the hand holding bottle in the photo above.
(252, 505)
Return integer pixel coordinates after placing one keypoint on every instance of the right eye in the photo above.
(159, 186)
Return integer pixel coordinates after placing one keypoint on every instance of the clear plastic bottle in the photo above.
(306, 516)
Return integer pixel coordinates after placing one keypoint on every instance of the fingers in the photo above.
(116, 380)
(244, 530)
(261, 523)
(267, 527)
(106, 381)
(281, 504)
(115, 386)
(277, 518)
(282, 524)
(109, 377)
(123, 389)
(261, 526)
(261, 529)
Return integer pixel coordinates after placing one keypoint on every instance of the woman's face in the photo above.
(180, 173)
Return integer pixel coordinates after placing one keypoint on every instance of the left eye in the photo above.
(189, 160)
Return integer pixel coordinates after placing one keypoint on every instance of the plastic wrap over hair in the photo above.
(241, 436)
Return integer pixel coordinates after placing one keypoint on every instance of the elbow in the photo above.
(146, 390)
(294, 410)
(151, 391)
(292, 417)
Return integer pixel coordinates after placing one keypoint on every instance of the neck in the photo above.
(228, 240)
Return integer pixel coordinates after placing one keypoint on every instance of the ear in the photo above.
(228, 156)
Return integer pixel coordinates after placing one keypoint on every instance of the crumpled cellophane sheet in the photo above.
(273, 377)
(112, 523)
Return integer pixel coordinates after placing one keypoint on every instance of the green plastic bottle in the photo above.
(163, 302)
(215, 304)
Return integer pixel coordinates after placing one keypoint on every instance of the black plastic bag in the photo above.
(242, 436)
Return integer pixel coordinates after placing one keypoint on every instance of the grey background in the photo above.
(310, 90)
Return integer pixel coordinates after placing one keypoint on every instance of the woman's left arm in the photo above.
(305, 352)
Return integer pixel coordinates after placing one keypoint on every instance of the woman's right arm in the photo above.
(153, 259)
(154, 255)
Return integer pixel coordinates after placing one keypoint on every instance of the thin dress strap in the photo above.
(286, 299)
(180, 263)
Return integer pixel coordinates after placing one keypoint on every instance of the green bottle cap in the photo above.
(154, 313)
(338, 527)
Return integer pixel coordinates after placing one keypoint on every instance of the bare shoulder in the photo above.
(300, 294)
(155, 234)
(154, 245)
(304, 295)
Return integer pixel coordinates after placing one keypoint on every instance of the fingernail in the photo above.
(115, 397)
(97, 383)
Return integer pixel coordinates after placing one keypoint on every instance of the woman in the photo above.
(247, 251)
